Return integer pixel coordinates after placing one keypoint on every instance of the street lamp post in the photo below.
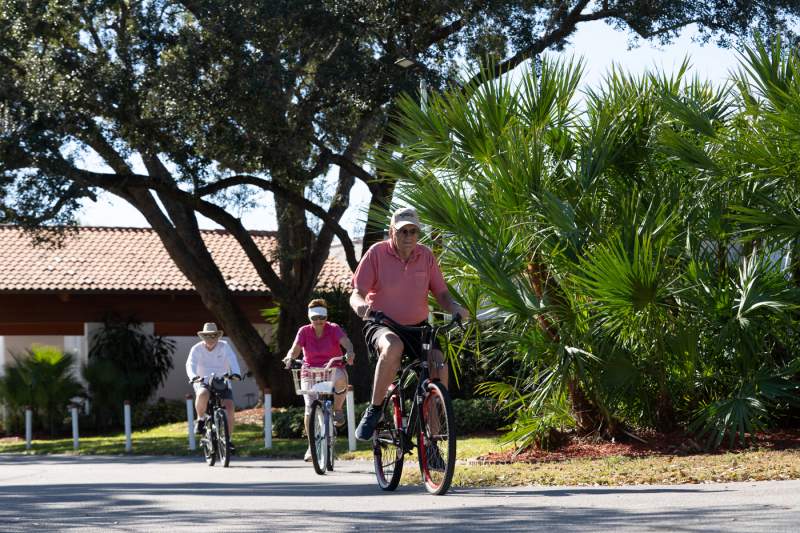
(406, 63)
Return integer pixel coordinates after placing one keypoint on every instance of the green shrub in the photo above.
(42, 379)
(158, 413)
(287, 423)
(124, 364)
(477, 415)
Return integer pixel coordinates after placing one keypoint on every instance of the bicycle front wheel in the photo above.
(316, 437)
(387, 447)
(437, 440)
(223, 438)
(207, 444)
(330, 440)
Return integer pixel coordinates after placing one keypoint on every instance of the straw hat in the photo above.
(209, 331)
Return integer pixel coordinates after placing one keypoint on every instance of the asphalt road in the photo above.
(57, 493)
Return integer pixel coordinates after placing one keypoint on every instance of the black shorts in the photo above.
(412, 339)
(227, 394)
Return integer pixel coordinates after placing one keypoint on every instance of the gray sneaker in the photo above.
(368, 422)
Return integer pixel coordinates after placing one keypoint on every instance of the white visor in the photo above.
(317, 311)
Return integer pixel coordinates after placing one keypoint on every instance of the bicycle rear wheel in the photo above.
(223, 438)
(437, 440)
(316, 437)
(387, 447)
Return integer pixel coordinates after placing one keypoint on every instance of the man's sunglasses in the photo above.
(408, 232)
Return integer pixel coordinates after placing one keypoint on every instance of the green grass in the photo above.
(171, 439)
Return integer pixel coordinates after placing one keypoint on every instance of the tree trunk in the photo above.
(586, 414)
(362, 371)
(183, 242)
(377, 221)
(290, 319)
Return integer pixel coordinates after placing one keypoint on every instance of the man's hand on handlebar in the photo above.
(235, 377)
(364, 311)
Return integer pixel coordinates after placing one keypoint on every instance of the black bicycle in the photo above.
(417, 414)
(216, 440)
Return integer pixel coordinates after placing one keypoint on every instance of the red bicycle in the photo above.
(417, 414)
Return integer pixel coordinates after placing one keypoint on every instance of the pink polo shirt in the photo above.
(399, 289)
(318, 351)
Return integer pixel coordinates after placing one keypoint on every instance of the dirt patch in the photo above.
(251, 416)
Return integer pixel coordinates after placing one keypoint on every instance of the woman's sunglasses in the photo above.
(315, 318)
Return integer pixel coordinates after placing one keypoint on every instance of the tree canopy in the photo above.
(195, 106)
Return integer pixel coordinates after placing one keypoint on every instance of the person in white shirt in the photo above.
(211, 356)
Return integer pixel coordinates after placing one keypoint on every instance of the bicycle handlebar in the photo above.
(298, 363)
(226, 376)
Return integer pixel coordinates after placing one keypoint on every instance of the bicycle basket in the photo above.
(308, 380)
(218, 385)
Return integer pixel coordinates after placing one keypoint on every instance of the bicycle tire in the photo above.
(387, 447)
(223, 438)
(207, 444)
(437, 439)
(330, 439)
(316, 437)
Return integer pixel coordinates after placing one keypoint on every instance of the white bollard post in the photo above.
(190, 420)
(351, 419)
(267, 418)
(74, 412)
(28, 427)
(128, 446)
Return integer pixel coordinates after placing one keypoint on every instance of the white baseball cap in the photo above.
(405, 216)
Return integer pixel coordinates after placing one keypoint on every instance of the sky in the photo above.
(597, 43)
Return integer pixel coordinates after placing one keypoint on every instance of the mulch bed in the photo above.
(677, 443)
(250, 416)
(654, 444)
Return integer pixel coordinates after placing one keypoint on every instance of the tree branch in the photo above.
(289, 196)
(567, 27)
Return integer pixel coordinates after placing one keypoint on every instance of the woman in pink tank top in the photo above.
(320, 341)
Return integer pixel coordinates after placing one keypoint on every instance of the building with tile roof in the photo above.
(58, 295)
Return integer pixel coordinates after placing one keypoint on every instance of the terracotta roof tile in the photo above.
(131, 259)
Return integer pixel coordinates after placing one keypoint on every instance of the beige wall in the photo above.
(17, 344)
(175, 387)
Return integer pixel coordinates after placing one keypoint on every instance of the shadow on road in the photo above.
(140, 505)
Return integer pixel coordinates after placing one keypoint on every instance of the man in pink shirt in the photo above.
(395, 277)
